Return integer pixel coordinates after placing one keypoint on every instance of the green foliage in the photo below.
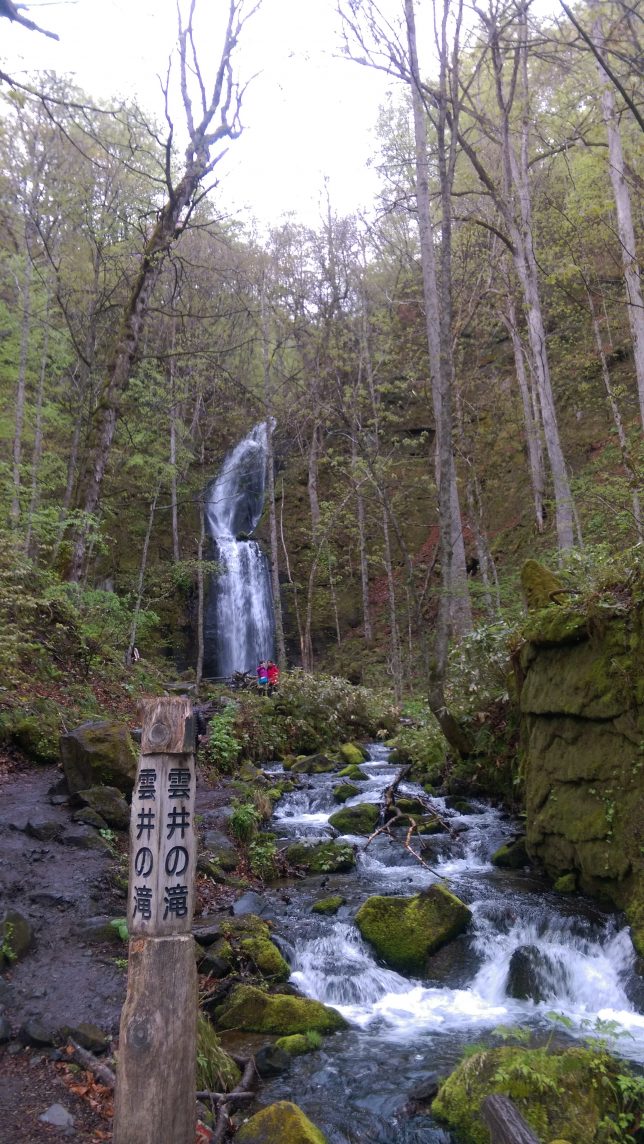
(120, 925)
(222, 746)
(262, 853)
(244, 822)
(6, 947)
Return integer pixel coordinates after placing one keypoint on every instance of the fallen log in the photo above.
(241, 1089)
(505, 1122)
(88, 1061)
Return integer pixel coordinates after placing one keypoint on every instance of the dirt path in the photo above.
(51, 873)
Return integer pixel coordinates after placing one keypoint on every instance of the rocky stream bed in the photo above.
(526, 952)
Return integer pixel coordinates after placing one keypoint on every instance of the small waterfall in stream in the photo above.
(238, 628)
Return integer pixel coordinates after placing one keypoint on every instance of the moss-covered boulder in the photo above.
(313, 765)
(328, 905)
(109, 803)
(344, 791)
(99, 754)
(266, 958)
(405, 931)
(582, 722)
(250, 1010)
(540, 586)
(296, 1045)
(322, 857)
(352, 754)
(282, 1121)
(216, 1071)
(353, 773)
(563, 1095)
(360, 819)
(511, 856)
(411, 806)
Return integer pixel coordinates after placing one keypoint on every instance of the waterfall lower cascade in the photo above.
(577, 957)
(238, 628)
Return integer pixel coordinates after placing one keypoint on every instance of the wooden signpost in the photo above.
(156, 1076)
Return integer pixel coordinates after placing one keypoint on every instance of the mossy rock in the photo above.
(282, 1121)
(250, 1010)
(405, 931)
(511, 856)
(431, 825)
(557, 1094)
(216, 1071)
(34, 728)
(109, 803)
(322, 857)
(328, 905)
(344, 791)
(400, 756)
(352, 772)
(295, 1045)
(540, 586)
(460, 805)
(352, 754)
(566, 884)
(313, 765)
(360, 819)
(217, 959)
(411, 806)
(266, 958)
(99, 754)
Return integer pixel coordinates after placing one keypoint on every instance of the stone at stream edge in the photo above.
(282, 1121)
(252, 1011)
(344, 791)
(404, 931)
(328, 905)
(314, 765)
(360, 819)
(353, 754)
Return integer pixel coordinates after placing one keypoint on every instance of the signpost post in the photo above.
(156, 1076)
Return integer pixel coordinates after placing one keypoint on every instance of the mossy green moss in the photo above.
(558, 1094)
(266, 957)
(404, 931)
(352, 754)
(360, 819)
(295, 1045)
(352, 772)
(328, 905)
(313, 765)
(251, 1011)
(540, 586)
(344, 791)
(322, 857)
(566, 884)
(282, 1121)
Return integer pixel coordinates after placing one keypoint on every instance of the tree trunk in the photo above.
(362, 546)
(314, 449)
(533, 437)
(129, 655)
(25, 333)
(37, 449)
(505, 1123)
(396, 658)
(634, 302)
(176, 552)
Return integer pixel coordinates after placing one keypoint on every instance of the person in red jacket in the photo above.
(273, 676)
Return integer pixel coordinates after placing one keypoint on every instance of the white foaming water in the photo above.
(240, 613)
(579, 966)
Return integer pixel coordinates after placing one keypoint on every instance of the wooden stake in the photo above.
(156, 1076)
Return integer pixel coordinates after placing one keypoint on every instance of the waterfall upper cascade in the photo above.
(238, 629)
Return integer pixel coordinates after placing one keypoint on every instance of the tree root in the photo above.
(88, 1061)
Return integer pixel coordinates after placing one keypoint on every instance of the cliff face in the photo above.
(582, 714)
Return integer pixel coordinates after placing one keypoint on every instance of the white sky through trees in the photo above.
(307, 114)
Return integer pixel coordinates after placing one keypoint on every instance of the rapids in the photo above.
(400, 1029)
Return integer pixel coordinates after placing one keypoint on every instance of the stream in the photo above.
(402, 1030)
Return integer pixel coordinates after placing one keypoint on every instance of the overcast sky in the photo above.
(307, 113)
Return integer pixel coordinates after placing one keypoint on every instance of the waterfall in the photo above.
(239, 616)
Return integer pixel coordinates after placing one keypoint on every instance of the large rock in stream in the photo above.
(405, 931)
(99, 754)
(250, 1010)
(283, 1121)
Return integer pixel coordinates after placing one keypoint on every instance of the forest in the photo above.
(451, 385)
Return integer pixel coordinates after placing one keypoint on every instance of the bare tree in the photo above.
(216, 121)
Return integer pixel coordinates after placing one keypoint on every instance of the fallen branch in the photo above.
(225, 1097)
(242, 1089)
(88, 1061)
(413, 825)
(504, 1121)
